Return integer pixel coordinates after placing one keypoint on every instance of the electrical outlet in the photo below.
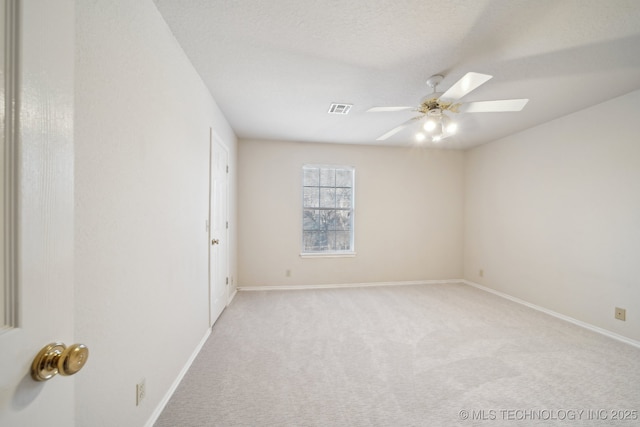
(621, 314)
(481, 273)
(141, 391)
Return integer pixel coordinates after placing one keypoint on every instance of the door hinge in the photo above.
(227, 280)
(227, 225)
(227, 168)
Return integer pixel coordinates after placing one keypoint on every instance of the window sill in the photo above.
(327, 255)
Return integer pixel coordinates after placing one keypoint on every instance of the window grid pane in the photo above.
(311, 197)
(327, 224)
(312, 177)
(327, 197)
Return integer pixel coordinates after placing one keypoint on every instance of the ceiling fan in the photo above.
(435, 123)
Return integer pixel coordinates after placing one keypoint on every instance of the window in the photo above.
(327, 205)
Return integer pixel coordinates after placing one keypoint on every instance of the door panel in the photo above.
(218, 235)
(44, 216)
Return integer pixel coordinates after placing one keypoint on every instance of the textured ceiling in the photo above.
(274, 67)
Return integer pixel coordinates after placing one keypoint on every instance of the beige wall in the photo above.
(553, 215)
(408, 218)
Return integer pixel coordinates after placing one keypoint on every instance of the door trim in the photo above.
(11, 132)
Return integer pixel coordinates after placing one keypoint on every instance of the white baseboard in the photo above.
(556, 314)
(156, 414)
(233, 295)
(346, 285)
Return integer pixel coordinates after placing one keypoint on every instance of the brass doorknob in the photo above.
(215, 241)
(57, 358)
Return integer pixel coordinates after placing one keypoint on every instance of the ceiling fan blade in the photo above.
(493, 106)
(466, 84)
(391, 133)
(386, 109)
(396, 129)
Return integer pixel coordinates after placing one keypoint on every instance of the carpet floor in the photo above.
(426, 355)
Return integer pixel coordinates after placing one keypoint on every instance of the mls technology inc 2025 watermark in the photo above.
(548, 414)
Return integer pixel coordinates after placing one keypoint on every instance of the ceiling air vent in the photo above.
(340, 108)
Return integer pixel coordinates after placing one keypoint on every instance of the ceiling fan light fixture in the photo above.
(447, 127)
(438, 125)
(430, 125)
(434, 120)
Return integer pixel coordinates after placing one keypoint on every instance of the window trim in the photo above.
(329, 254)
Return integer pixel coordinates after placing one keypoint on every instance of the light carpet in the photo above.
(426, 355)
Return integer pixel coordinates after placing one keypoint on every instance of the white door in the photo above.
(218, 231)
(41, 257)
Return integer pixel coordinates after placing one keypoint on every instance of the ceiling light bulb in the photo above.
(437, 138)
(452, 128)
(420, 136)
(430, 125)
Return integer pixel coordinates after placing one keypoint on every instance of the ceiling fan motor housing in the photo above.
(431, 102)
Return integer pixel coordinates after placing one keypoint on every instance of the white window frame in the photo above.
(328, 252)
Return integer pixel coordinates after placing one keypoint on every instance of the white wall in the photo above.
(142, 147)
(552, 215)
(408, 214)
